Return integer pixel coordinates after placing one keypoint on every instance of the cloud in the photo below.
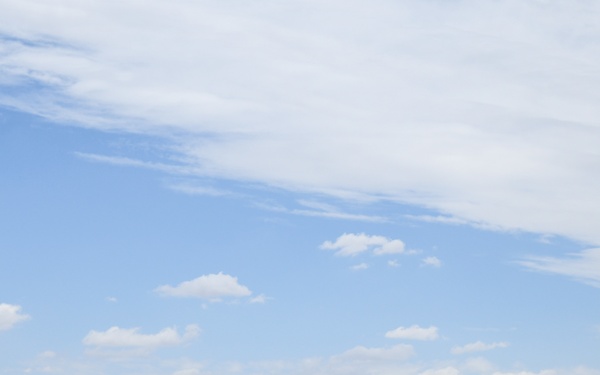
(478, 347)
(128, 344)
(451, 220)
(583, 266)
(131, 338)
(129, 162)
(360, 266)
(192, 189)
(360, 353)
(317, 209)
(212, 286)
(261, 298)
(413, 332)
(350, 244)
(442, 371)
(432, 262)
(47, 354)
(189, 371)
(10, 315)
(337, 108)
(478, 365)
(543, 372)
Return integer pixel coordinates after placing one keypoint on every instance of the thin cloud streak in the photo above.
(583, 266)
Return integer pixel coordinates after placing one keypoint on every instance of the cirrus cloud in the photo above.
(583, 266)
(334, 107)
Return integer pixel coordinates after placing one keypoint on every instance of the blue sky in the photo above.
(194, 188)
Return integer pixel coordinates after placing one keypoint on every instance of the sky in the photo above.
(301, 187)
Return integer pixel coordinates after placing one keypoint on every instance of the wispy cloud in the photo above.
(301, 98)
(196, 189)
(478, 346)
(129, 162)
(319, 209)
(438, 219)
(583, 266)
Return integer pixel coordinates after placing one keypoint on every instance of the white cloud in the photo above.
(478, 365)
(478, 346)
(583, 266)
(360, 266)
(432, 262)
(125, 343)
(317, 209)
(393, 263)
(212, 286)
(261, 298)
(413, 332)
(350, 244)
(360, 353)
(442, 371)
(128, 162)
(192, 189)
(512, 143)
(122, 337)
(10, 315)
(189, 371)
(48, 354)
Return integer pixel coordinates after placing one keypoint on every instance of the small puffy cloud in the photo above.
(390, 247)
(583, 266)
(478, 347)
(432, 262)
(350, 244)
(212, 286)
(393, 263)
(413, 332)
(10, 315)
(131, 338)
(360, 266)
(360, 353)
